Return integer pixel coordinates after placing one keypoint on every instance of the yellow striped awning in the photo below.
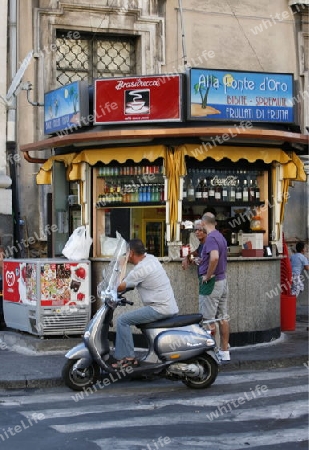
(293, 167)
(44, 176)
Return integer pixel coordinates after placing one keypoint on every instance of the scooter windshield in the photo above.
(114, 273)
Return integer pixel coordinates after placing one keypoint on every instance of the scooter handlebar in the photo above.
(129, 303)
(124, 301)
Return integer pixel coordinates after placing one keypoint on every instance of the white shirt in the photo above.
(153, 285)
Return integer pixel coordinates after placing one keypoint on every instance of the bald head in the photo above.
(209, 218)
(209, 222)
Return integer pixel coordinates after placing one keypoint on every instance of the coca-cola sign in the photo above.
(230, 180)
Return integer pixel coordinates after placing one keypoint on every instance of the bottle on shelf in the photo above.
(225, 194)
(205, 191)
(218, 193)
(148, 193)
(199, 190)
(251, 191)
(161, 190)
(238, 191)
(256, 190)
(119, 192)
(232, 193)
(135, 193)
(211, 192)
(144, 194)
(245, 191)
(140, 193)
(156, 194)
(191, 193)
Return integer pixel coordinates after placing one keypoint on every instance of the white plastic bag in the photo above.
(109, 244)
(78, 245)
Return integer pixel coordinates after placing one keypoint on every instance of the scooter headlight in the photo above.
(87, 334)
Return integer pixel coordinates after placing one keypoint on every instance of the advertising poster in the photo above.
(138, 99)
(235, 96)
(66, 108)
(64, 284)
(48, 284)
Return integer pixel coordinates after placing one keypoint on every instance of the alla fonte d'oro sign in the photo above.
(138, 99)
(234, 95)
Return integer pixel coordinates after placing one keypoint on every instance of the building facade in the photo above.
(166, 39)
(85, 41)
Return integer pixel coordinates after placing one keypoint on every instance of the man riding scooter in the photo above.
(155, 290)
(178, 347)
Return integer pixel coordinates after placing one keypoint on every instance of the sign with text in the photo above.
(234, 96)
(154, 98)
(66, 108)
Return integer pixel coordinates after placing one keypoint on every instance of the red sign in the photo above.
(11, 281)
(138, 99)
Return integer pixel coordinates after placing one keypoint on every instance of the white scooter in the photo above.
(179, 348)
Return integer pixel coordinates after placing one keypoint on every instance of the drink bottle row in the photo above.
(229, 189)
(109, 171)
(131, 193)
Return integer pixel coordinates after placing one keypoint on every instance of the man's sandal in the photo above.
(131, 362)
(124, 363)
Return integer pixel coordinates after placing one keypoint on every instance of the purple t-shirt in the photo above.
(214, 241)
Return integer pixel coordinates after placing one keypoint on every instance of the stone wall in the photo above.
(254, 296)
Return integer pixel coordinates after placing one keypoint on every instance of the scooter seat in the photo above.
(172, 322)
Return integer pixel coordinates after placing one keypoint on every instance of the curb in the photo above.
(31, 383)
(279, 363)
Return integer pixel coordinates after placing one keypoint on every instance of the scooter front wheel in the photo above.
(82, 378)
(210, 372)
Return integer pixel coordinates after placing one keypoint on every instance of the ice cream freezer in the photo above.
(47, 296)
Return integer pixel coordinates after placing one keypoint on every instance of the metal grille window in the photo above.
(90, 57)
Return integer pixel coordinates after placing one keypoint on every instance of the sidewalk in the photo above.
(30, 362)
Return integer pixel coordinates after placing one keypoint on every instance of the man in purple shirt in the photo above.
(213, 265)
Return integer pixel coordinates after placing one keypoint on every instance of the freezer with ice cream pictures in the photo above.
(46, 296)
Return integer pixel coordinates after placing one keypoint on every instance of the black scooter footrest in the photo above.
(171, 322)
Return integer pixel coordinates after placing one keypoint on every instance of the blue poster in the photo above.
(64, 108)
(235, 96)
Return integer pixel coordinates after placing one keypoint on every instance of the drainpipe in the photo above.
(11, 121)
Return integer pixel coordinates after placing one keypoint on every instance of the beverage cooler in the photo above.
(46, 296)
(153, 234)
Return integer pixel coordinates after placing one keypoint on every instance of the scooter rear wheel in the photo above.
(210, 372)
(74, 380)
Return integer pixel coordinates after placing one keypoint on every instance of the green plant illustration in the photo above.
(73, 96)
(203, 88)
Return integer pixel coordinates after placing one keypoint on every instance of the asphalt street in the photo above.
(260, 410)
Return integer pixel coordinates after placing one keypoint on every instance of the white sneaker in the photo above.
(224, 355)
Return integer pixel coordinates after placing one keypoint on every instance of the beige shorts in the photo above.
(214, 306)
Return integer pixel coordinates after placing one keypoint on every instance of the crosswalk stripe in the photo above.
(202, 401)
(299, 409)
(250, 440)
(288, 409)
(223, 441)
(223, 378)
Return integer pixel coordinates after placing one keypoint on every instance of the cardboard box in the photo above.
(251, 241)
(252, 252)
